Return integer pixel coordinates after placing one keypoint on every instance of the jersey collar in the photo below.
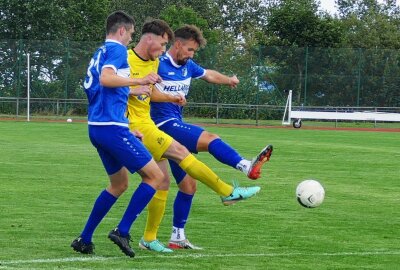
(113, 40)
(172, 60)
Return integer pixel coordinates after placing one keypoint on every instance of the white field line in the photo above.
(199, 256)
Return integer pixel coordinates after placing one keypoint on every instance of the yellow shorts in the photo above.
(155, 140)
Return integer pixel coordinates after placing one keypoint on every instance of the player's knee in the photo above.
(205, 139)
(177, 151)
(155, 179)
(212, 137)
(188, 185)
(118, 188)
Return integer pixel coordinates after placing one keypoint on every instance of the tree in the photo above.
(46, 30)
(374, 27)
(53, 20)
(292, 27)
(370, 24)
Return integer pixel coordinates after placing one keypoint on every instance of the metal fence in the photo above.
(317, 76)
(209, 113)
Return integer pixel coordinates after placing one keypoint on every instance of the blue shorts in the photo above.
(186, 134)
(118, 147)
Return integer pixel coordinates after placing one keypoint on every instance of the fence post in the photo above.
(28, 88)
(66, 74)
(359, 77)
(217, 117)
(257, 115)
(305, 77)
(19, 63)
(17, 107)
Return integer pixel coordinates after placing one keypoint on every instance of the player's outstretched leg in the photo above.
(79, 246)
(240, 193)
(258, 162)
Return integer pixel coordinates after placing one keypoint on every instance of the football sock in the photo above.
(244, 166)
(103, 204)
(199, 171)
(178, 234)
(155, 213)
(140, 198)
(182, 205)
(224, 153)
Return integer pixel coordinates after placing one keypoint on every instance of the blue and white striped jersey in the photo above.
(107, 106)
(176, 79)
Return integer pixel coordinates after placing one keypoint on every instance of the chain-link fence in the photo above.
(317, 76)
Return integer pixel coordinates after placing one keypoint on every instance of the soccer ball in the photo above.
(310, 193)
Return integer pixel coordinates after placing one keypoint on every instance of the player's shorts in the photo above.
(155, 140)
(117, 148)
(186, 134)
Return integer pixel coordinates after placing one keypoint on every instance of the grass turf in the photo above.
(50, 176)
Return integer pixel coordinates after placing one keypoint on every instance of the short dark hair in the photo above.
(157, 27)
(117, 19)
(188, 32)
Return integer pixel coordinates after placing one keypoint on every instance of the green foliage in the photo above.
(179, 16)
(240, 16)
(288, 43)
(372, 24)
(53, 20)
(297, 23)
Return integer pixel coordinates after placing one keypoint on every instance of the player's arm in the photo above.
(141, 90)
(158, 96)
(110, 79)
(213, 76)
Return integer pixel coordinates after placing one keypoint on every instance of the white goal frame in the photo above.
(297, 115)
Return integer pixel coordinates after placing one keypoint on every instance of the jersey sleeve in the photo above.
(117, 58)
(197, 71)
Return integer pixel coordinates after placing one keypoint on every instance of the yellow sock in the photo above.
(155, 213)
(198, 170)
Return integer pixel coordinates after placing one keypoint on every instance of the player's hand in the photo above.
(137, 134)
(233, 81)
(151, 78)
(141, 90)
(179, 99)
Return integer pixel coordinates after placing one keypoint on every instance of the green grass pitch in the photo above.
(50, 176)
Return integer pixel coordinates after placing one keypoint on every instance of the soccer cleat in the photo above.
(240, 193)
(122, 242)
(184, 244)
(258, 161)
(81, 247)
(154, 245)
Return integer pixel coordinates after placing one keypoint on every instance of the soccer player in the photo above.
(143, 60)
(107, 88)
(177, 68)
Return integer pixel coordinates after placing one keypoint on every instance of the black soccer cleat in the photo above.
(122, 242)
(79, 246)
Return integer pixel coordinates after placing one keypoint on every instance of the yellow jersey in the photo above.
(139, 106)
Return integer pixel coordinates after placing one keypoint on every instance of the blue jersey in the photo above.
(176, 79)
(107, 106)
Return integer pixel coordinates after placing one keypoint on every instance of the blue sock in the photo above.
(224, 153)
(101, 207)
(182, 205)
(140, 198)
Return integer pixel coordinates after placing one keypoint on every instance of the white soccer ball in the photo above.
(69, 120)
(310, 193)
